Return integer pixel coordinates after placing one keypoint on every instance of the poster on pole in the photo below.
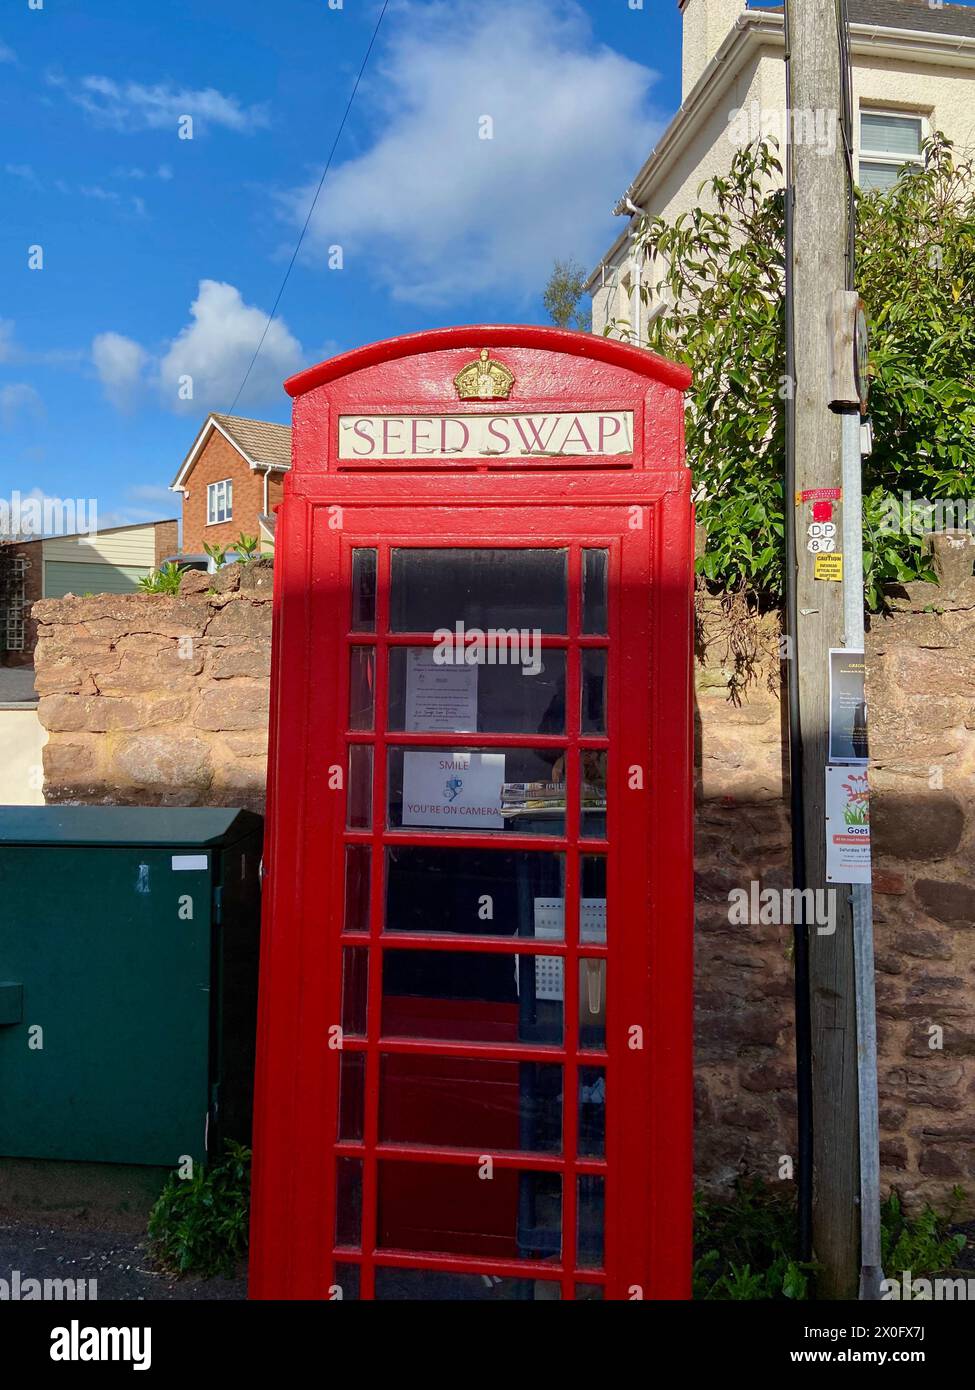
(847, 706)
(847, 825)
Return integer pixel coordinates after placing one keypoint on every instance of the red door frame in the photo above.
(640, 508)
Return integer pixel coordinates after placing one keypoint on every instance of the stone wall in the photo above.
(154, 700)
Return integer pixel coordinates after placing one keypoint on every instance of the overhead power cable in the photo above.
(314, 202)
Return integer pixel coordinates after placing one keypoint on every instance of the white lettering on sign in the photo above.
(587, 433)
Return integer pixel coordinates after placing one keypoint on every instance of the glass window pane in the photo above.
(591, 1195)
(515, 688)
(362, 687)
(595, 591)
(358, 861)
(594, 690)
(592, 1003)
(469, 996)
(363, 590)
(497, 588)
(890, 134)
(471, 1103)
(346, 1282)
(360, 786)
(454, 1209)
(477, 790)
(592, 1112)
(592, 823)
(592, 908)
(474, 892)
(355, 991)
(444, 1286)
(352, 1082)
(589, 1293)
(348, 1201)
(874, 176)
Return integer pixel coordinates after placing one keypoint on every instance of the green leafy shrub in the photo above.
(922, 1244)
(745, 1247)
(216, 553)
(720, 270)
(199, 1224)
(165, 580)
(246, 547)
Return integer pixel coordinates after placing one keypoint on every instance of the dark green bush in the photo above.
(199, 1224)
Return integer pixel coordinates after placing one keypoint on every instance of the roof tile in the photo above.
(261, 440)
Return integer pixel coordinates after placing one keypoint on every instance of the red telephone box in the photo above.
(474, 1075)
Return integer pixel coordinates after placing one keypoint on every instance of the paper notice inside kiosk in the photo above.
(459, 789)
(440, 699)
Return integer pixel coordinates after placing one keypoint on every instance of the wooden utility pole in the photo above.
(818, 268)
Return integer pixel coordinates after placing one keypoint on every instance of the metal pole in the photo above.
(871, 1272)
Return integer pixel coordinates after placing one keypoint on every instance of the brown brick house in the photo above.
(231, 481)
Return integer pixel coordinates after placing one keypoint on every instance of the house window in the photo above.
(889, 144)
(220, 501)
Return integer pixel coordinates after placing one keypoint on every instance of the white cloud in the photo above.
(129, 106)
(18, 399)
(7, 55)
(23, 171)
(215, 348)
(209, 355)
(163, 172)
(12, 351)
(105, 195)
(120, 363)
(440, 212)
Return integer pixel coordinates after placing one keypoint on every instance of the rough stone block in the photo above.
(251, 659)
(233, 706)
(163, 761)
(948, 902)
(911, 824)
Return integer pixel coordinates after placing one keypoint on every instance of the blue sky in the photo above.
(162, 256)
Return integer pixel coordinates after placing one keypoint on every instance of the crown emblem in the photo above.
(484, 380)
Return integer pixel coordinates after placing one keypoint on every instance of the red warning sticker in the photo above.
(819, 494)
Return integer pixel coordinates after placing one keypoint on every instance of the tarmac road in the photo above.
(117, 1261)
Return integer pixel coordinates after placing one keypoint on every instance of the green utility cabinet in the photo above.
(128, 981)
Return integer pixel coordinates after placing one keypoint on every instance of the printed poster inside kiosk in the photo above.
(442, 787)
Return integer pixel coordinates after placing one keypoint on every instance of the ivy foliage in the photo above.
(721, 282)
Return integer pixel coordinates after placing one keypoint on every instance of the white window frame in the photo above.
(220, 498)
(884, 157)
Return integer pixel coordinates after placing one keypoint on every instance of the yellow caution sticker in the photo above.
(828, 567)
